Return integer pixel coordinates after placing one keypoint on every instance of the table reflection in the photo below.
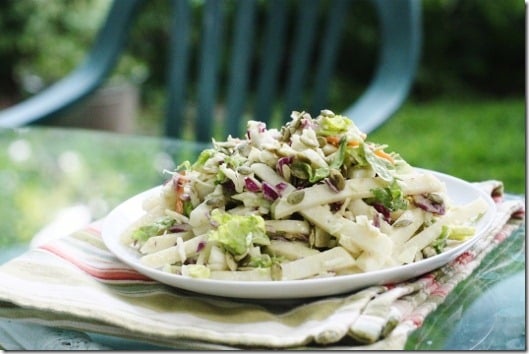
(487, 310)
(47, 171)
(487, 320)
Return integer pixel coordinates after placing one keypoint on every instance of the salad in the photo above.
(314, 198)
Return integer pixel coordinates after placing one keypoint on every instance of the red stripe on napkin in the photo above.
(99, 273)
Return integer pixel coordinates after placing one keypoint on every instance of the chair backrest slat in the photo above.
(328, 53)
(300, 56)
(178, 66)
(210, 56)
(271, 54)
(243, 36)
(399, 50)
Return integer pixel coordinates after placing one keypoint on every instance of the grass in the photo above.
(472, 139)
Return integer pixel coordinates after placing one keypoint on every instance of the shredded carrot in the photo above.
(333, 140)
(180, 182)
(384, 155)
(179, 206)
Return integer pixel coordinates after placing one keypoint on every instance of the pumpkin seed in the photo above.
(312, 237)
(436, 198)
(308, 142)
(285, 132)
(295, 124)
(402, 223)
(322, 239)
(296, 197)
(298, 171)
(244, 149)
(285, 170)
(244, 170)
(428, 252)
(215, 202)
(232, 265)
(327, 113)
(276, 272)
(337, 179)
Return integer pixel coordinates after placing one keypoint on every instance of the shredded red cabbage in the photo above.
(330, 185)
(280, 187)
(307, 123)
(376, 220)
(201, 246)
(252, 184)
(179, 228)
(427, 204)
(382, 209)
(287, 160)
(269, 192)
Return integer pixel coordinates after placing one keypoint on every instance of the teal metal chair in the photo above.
(255, 82)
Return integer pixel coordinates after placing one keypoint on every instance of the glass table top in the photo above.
(72, 176)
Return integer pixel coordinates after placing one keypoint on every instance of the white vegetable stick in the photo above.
(354, 188)
(353, 236)
(257, 274)
(291, 250)
(146, 219)
(406, 255)
(238, 182)
(241, 210)
(320, 194)
(368, 262)
(457, 214)
(316, 159)
(333, 259)
(307, 139)
(216, 259)
(268, 174)
(172, 255)
(399, 235)
(168, 195)
(322, 217)
(364, 235)
(419, 183)
(349, 270)
(152, 202)
(203, 187)
(297, 227)
(199, 218)
(158, 243)
(359, 207)
(177, 216)
(182, 254)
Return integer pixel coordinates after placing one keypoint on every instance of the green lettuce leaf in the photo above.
(155, 229)
(236, 233)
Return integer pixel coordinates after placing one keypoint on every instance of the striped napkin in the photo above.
(75, 284)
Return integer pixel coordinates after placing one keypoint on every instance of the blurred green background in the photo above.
(470, 47)
(465, 115)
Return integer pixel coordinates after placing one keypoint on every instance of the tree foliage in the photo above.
(469, 46)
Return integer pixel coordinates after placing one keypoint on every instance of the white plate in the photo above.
(459, 191)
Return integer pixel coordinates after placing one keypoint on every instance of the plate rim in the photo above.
(292, 289)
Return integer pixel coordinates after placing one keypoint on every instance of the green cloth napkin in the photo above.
(75, 283)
